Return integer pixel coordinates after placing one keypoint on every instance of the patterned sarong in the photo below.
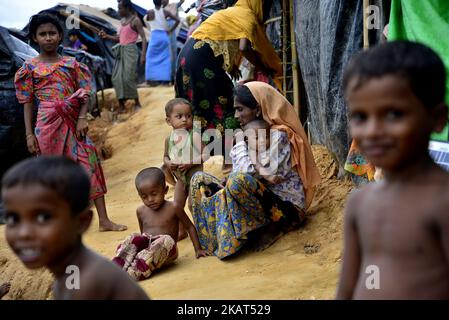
(55, 133)
(140, 254)
(124, 74)
(158, 63)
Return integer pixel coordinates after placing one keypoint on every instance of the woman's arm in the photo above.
(241, 160)
(104, 35)
(171, 15)
(253, 57)
(28, 114)
(138, 26)
(279, 165)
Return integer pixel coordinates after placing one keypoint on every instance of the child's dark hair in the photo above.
(126, 4)
(157, 3)
(60, 174)
(73, 32)
(419, 65)
(245, 97)
(258, 123)
(40, 19)
(173, 102)
(152, 174)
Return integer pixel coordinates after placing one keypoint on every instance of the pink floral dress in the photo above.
(56, 89)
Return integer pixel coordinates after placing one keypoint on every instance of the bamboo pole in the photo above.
(81, 22)
(284, 46)
(294, 62)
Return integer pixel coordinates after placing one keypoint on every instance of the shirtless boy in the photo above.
(155, 246)
(396, 237)
(47, 211)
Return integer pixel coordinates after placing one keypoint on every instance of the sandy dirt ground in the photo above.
(303, 264)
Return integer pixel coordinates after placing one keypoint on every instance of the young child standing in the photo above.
(47, 211)
(396, 238)
(183, 151)
(155, 246)
(61, 87)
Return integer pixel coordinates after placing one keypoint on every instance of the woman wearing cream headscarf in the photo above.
(215, 49)
(251, 207)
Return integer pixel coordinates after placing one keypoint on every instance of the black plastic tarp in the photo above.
(13, 52)
(328, 34)
(97, 46)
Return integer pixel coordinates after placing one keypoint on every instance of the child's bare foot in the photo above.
(4, 289)
(111, 226)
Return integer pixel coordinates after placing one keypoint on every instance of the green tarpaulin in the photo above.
(427, 22)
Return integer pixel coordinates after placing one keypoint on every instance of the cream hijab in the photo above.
(279, 113)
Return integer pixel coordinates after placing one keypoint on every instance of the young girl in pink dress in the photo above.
(60, 88)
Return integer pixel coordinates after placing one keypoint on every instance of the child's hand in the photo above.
(81, 128)
(102, 34)
(274, 179)
(201, 253)
(32, 144)
(172, 166)
(185, 167)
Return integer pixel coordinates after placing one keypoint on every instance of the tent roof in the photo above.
(100, 14)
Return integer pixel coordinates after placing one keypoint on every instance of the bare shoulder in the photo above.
(102, 279)
(150, 15)
(356, 199)
(171, 207)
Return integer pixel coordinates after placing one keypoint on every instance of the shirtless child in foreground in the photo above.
(47, 211)
(396, 237)
(155, 246)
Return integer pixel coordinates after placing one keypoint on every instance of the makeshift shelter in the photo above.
(13, 52)
(91, 20)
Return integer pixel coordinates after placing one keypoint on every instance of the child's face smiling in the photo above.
(152, 194)
(47, 37)
(40, 228)
(388, 122)
(181, 117)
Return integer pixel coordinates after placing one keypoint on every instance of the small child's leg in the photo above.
(159, 251)
(169, 177)
(180, 200)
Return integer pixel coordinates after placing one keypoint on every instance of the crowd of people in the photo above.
(273, 175)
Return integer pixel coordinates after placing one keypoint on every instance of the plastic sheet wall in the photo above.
(328, 33)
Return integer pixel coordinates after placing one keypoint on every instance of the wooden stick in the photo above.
(81, 22)
(294, 62)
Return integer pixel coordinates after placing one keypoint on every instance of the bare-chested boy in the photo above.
(396, 238)
(47, 211)
(155, 246)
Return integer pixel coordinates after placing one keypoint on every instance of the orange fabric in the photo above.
(243, 20)
(280, 114)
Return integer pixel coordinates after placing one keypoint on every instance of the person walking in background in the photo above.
(124, 73)
(158, 63)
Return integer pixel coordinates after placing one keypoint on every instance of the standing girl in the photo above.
(60, 87)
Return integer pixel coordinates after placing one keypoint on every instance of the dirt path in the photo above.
(302, 265)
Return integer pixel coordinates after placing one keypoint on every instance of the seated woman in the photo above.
(251, 207)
